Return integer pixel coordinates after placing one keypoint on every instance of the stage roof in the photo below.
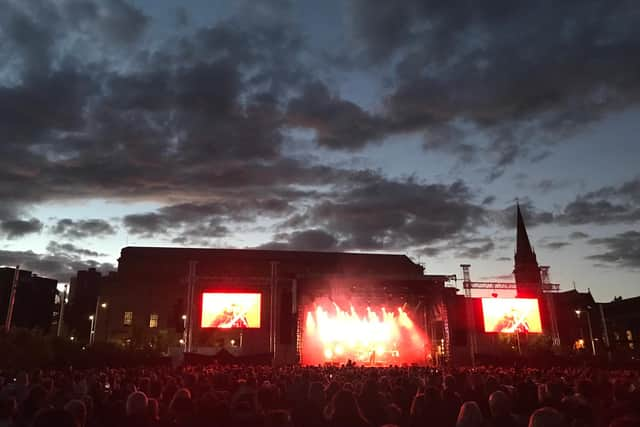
(255, 261)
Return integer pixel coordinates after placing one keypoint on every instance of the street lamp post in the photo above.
(593, 344)
(92, 330)
(63, 302)
(578, 312)
(183, 340)
(94, 321)
(12, 298)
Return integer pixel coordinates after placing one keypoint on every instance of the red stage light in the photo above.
(230, 310)
(381, 337)
(511, 315)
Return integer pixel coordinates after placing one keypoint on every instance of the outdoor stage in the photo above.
(322, 320)
(297, 307)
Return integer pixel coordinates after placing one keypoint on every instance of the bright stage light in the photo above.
(366, 335)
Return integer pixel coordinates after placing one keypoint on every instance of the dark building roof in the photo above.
(627, 305)
(35, 299)
(257, 262)
(574, 299)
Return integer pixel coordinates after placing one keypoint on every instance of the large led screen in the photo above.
(511, 315)
(230, 310)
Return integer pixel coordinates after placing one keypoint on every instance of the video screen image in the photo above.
(230, 310)
(511, 315)
(372, 336)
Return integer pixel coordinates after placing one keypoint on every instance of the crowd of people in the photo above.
(327, 396)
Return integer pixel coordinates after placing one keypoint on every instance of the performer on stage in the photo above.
(231, 317)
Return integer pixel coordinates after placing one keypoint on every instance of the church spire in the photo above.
(526, 269)
(523, 245)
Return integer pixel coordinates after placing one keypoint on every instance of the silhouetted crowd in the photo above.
(346, 396)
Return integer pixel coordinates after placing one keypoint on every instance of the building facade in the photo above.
(150, 299)
(35, 302)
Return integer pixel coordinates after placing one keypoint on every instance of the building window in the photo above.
(630, 339)
(153, 321)
(128, 318)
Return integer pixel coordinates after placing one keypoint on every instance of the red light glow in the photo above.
(230, 310)
(365, 336)
(511, 315)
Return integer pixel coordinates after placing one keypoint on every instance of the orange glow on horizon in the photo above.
(230, 310)
(511, 315)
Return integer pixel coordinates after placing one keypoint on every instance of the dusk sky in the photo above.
(379, 126)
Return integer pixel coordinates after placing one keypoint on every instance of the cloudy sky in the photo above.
(358, 125)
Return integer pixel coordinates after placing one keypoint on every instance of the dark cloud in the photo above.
(338, 124)
(60, 266)
(577, 235)
(120, 21)
(628, 191)
(461, 247)
(430, 251)
(378, 213)
(533, 217)
(204, 219)
(15, 228)
(584, 211)
(82, 228)
(475, 248)
(488, 200)
(546, 185)
(507, 71)
(607, 205)
(69, 248)
(197, 121)
(201, 116)
(307, 240)
(181, 16)
(144, 224)
(622, 250)
(32, 110)
(196, 110)
(39, 33)
(556, 245)
(451, 139)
